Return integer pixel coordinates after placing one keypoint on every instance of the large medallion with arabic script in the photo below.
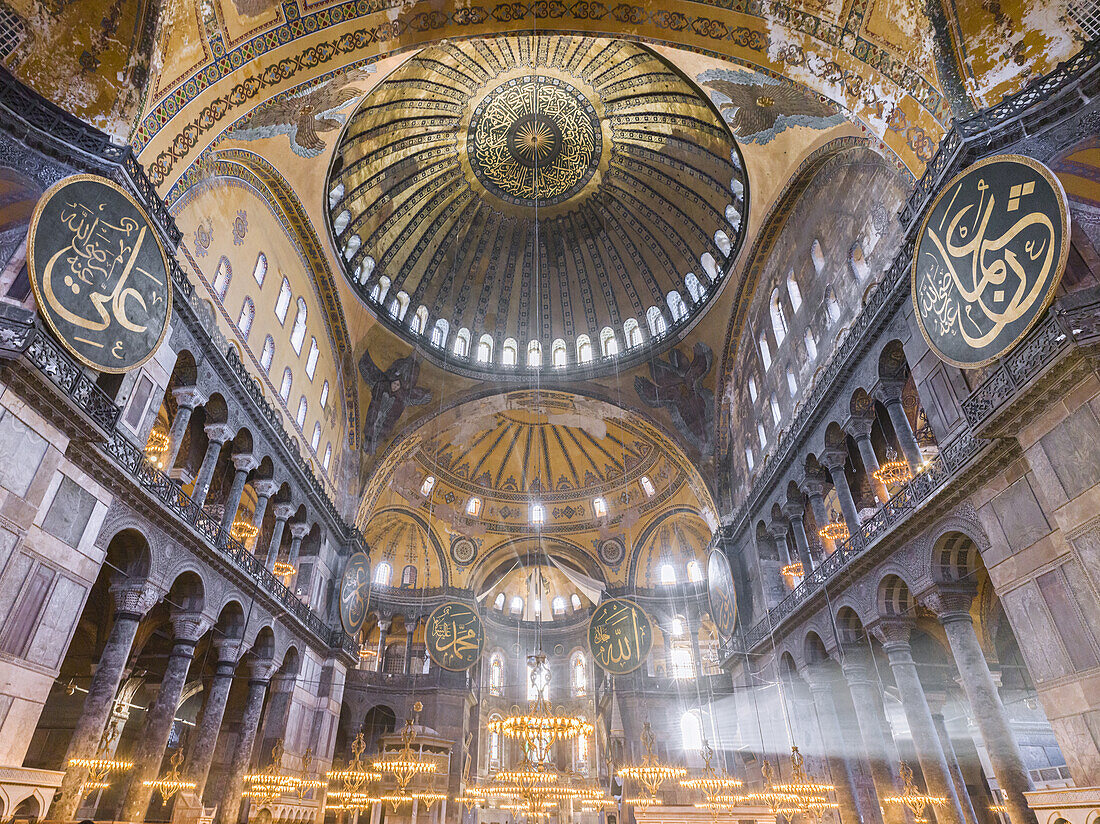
(99, 273)
(723, 596)
(534, 139)
(620, 636)
(989, 258)
(355, 593)
(455, 636)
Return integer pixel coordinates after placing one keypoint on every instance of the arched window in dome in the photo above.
(328, 456)
(298, 331)
(380, 290)
(462, 343)
(695, 571)
(647, 486)
(710, 265)
(282, 303)
(473, 506)
(284, 388)
(599, 507)
(440, 331)
(722, 241)
(248, 314)
(557, 352)
(831, 305)
(221, 278)
(259, 271)
(534, 353)
(485, 349)
(352, 246)
(817, 255)
(609, 344)
(419, 320)
(765, 352)
(694, 287)
(315, 441)
(793, 292)
(691, 731)
(365, 270)
(558, 605)
(666, 573)
(761, 435)
(575, 600)
(334, 195)
(427, 486)
(516, 605)
(633, 333)
(749, 459)
(857, 262)
(811, 344)
(400, 305)
(538, 514)
(738, 189)
(656, 319)
(676, 306)
(498, 602)
(752, 388)
(578, 675)
(324, 394)
(303, 408)
(341, 222)
(584, 349)
(733, 217)
(509, 353)
(383, 574)
(792, 382)
(311, 360)
(408, 577)
(779, 317)
(268, 353)
(776, 414)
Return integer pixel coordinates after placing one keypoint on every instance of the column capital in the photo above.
(265, 488)
(950, 602)
(189, 397)
(218, 433)
(819, 678)
(888, 391)
(834, 458)
(384, 624)
(261, 669)
(855, 669)
(189, 626)
(284, 511)
(793, 509)
(135, 597)
(245, 461)
(813, 484)
(229, 650)
(299, 530)
(779, 529)
(892, 632)
(859, 426)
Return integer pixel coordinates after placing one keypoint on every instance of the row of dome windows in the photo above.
(538, 512)
(515, 606)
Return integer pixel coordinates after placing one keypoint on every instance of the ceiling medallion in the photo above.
(463, 551)
(533, 140)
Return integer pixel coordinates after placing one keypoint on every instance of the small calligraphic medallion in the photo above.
(355, 593)
(455, 636)
(99, 273)
(989, 257)
(620, 636)
(723, 596)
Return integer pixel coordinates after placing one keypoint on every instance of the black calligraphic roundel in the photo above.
(454, 636)
(99, 273)
(620, 636)
(989, 257)
(355, 593)
(723, 596)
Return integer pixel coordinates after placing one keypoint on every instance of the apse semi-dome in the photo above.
(537, 203)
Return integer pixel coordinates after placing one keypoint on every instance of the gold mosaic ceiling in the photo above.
(536, 188)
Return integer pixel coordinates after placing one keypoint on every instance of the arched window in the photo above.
(426, 487)
(792, 383)
(509, 353)
(580, 754)
(691, 730)
(400, 305)
(558, 605)
(831, 305)
(557, 353)
(676, 306)
(298, 331)
(779, 318)
(311, 360)
(647, 486)
(498, 603)
(765, 352)
(315, 441)
(817, 255)
(695, 571)
(259, 271)
(677, 627)
(419, 320)
(334, 195)
(324, 394)
(538, 514)
(284, 388)
(380, 290)
(352, 246)
(221, 278)
(516, 605)
(440, 332)
(575, 600)
(599, 507)
(578, 675)
(609, 344)
(408, 577)
(694, 287)
(733, 217)
(722, 241)
(710, 265)
(749, 460)
(793, 292)
(473, 507)
(811, 344)
(761, 435)
(248, 313)
(858, 262)
(657, 324)
(584, 349)
(328, 456)
(682, 663)
(776, 414)
(752, 388)
(494, 738)
(383, 574)
(462, 343)
(282, 303)
(268, 353)
(534, 353)
(485, 349)
(667, 573)
(633, 333)
(341, 222)
(303, 407)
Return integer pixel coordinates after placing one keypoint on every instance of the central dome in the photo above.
(536, 203)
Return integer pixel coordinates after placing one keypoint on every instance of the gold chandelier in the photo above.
(836, 529)
(101, 765)
(793, 570)
(156, 446)
(651, 773)
(243, 531)
(912, 797)
(798, 795)
(268, 785)
(171, 783)
(281, 569)
(406, 765)
(894, 471)
(709, 782)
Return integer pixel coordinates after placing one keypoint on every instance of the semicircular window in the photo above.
(543, 189)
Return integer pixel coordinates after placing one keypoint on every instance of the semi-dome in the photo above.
(536, 203)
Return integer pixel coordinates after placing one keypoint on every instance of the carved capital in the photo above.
(950, 602)
(889, 391)
(813, 484)
(189, 626)
(261, 669)
(266, 488)
(284, 511)
(892, 632)
(855, 669)
(384, 624)
(793, 510)
(245, 462)
(778, 530)
(834, 459)
(859, 426)
(188, 397)
(820, 679)
(229, 650)
(299, 530)
(134, 597)
(218, 433)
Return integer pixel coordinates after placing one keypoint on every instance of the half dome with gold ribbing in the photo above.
(537, 203)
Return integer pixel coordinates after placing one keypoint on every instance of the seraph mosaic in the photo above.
(758, 107)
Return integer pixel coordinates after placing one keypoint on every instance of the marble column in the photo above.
(384, 625)
(265, 489)
(200, 753)
(149, 750)
(298, 531)
(952, 606)
(814, 488)
(242, 465)
(229, 805)
(409, 631)
(770, 558)
(793, 512)
(835, 461)
(894, 635)
(889, 393)
(133, 600)
(282, 515)
(187, 399)
(865, 695)
(935, 703)
(860, 430)
(822, 687)
(218, 434)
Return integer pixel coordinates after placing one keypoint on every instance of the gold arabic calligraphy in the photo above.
(620, 636)
(352, 601)
(454, 634)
